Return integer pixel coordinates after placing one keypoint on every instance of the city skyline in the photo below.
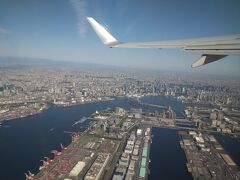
(58, 30)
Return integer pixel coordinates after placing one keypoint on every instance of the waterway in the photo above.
(168, 160)
(231, 145)
(166, 101)
(24, 141)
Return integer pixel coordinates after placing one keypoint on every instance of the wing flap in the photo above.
(205, 59)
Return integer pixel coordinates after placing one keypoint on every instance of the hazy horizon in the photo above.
(121, 68)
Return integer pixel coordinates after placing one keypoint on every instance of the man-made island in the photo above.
(117, 146)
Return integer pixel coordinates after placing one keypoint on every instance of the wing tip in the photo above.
(89, 18)
(106, 38)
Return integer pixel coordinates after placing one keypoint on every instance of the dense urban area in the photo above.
(29, 89)
(117, 144)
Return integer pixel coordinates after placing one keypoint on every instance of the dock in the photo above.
(101, 153)
(206, 159)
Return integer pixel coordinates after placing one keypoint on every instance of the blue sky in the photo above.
(57, 29)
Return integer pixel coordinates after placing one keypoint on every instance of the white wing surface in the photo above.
(212, 48)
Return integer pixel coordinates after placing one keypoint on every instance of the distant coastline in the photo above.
(12, 115)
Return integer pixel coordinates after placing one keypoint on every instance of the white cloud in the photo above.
(3, 31)
(79, 7)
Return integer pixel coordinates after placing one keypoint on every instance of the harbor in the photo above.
(79, 130)
(115, 147)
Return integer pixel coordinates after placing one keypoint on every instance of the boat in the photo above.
(51, 129)
(83, 119)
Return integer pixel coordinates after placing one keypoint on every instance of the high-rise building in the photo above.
(213, 115)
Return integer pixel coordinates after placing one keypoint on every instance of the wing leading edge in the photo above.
(212, 49)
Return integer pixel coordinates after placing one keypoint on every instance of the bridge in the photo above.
(149, 104)
(153, 105)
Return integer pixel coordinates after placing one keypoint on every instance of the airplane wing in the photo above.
(212, 49)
